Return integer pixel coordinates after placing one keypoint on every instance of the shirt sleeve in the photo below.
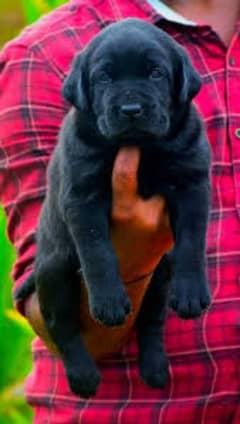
(31, 111)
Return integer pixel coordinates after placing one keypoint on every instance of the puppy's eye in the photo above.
(156, 73)
(104, 78)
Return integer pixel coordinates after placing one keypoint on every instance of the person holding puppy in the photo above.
(203, 353)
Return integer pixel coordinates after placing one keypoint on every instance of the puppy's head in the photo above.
(134, 79)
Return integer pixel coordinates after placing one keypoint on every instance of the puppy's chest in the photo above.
(160, 174)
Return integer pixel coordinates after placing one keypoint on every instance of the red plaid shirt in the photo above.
(204, 353)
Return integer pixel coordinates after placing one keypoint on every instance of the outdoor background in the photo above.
(15, 333)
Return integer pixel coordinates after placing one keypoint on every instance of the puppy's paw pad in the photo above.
(83, 384)
(155, 374)
(111, 310)
(189, 300)
(205, 299)
(156, 380)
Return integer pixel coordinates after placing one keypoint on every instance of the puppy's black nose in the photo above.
(131, 110)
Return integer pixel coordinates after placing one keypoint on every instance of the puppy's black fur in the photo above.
(132, 85)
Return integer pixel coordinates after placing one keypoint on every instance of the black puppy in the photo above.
(132, 85)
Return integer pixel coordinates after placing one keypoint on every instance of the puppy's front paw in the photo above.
(154, 369)
(110, 309)
(83, 381)
(189, 296)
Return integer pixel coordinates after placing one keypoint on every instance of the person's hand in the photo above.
(141, 231)
(141, 234)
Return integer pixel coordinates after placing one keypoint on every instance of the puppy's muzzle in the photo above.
(131, 110)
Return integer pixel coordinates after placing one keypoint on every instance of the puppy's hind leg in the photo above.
(153, 362)
(59, 295)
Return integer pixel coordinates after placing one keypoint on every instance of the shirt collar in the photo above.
(166, 12)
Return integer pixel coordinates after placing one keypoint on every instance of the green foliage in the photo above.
(35, 8)
(16, 336)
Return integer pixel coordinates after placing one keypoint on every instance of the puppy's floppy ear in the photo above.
(74, 88)
(188, 80)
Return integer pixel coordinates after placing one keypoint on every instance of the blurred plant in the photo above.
(35, 8)
(15, 341)
(16, 334)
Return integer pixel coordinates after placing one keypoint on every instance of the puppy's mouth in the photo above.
(133, 132)
(121, 132)
(133, 135)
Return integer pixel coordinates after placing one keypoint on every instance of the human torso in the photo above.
(204, 354)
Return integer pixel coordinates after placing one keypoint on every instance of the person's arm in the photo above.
(31, 111)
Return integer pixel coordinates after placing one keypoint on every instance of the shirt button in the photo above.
(231, 61)
(237, 132)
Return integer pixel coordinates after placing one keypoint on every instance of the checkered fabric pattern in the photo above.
(204, 353)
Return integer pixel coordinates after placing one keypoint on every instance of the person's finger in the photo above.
(154, 213)
(125, 171)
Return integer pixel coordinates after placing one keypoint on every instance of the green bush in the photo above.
(16, 334)
(15, 341)
(35, 8)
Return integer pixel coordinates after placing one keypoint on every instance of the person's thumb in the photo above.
(124, 176)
